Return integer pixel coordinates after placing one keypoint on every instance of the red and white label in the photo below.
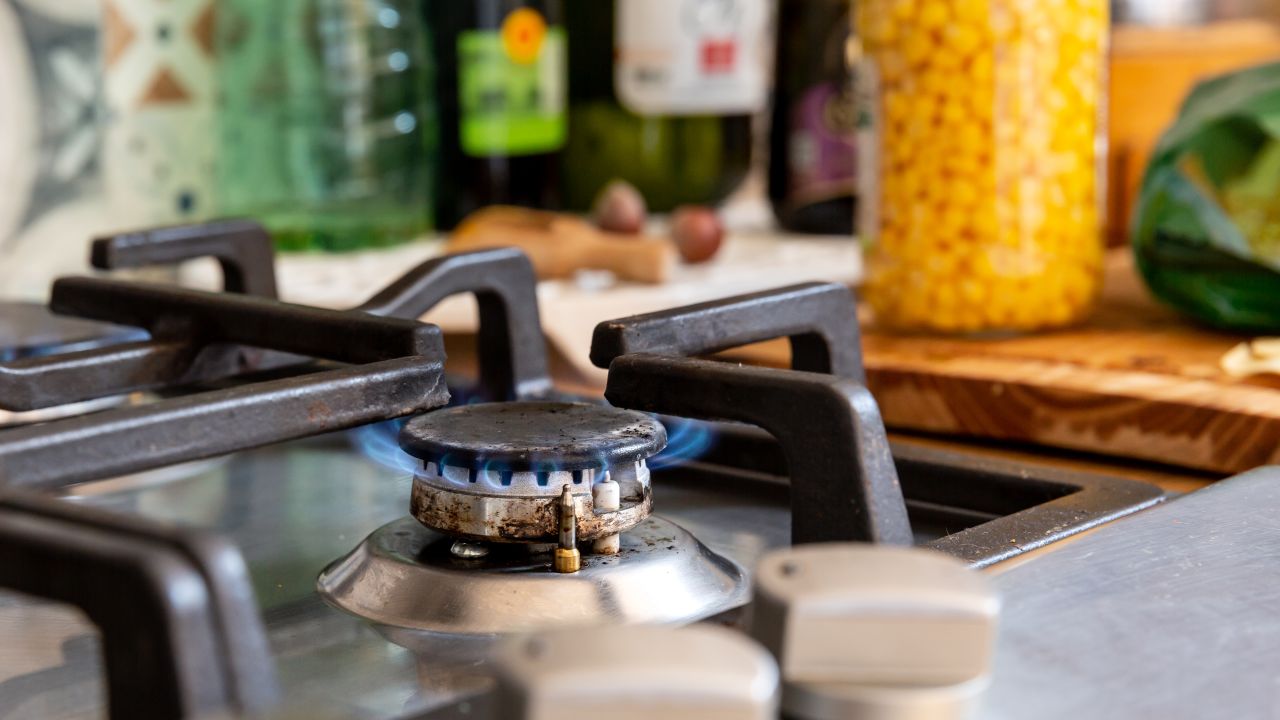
(717, 56)
(691, 57)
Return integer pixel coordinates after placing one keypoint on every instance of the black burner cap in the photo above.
(533, 436)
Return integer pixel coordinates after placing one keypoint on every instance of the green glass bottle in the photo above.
(324, 116)
(661, 95)
(502, 98)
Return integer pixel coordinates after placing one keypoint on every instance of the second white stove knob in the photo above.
(875, 633)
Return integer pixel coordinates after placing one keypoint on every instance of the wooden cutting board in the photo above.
(1136, 381)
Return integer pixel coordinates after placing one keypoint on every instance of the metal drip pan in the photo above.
(30, 330)
(403, 577)
(9, 418)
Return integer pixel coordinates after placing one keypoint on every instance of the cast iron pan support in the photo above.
(397, 371)
(512, 352)
(514, 361)
(181, 636)
(843, 482)
(242, 248)
(820, 320)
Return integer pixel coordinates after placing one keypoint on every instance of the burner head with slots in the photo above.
(506, 494)
(495, 472)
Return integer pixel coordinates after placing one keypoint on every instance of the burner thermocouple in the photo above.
(568, 559)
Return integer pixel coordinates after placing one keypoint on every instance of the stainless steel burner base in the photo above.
(403, 577)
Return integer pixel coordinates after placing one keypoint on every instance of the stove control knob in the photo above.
(873, 632)
(636, 672)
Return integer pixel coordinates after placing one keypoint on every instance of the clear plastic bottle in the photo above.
(324, 115)
(982, 201)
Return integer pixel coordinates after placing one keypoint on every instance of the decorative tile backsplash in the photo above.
(158, 148)
(106, 123)
(50, 121)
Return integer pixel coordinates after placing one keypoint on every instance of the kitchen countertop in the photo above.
(1135, 380)
(348, 279)
(751, 259)
(571, 309)
(462, 360)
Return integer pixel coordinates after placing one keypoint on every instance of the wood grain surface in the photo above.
(1135, 381)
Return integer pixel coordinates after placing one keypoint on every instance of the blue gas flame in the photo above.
(380, 443)
(686, 440)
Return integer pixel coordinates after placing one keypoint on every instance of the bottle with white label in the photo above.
(661, 95)
(500, 83)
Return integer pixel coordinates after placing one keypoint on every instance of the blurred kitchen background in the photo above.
(361, 133)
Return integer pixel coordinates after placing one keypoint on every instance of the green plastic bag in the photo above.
(1206, 233)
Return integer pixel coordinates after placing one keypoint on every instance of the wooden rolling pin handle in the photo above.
(567, 245)
(642, 260)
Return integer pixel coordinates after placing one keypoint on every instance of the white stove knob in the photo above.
(873, 632)
(636, 672)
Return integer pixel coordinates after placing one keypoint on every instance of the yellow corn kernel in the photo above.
(953, 112)
(933, 14)
(879, 30)
(945, 58)
(916, 48)
(974, 12)
(970, 138)
(904, 10)
(981, 69)
(964, 194)
(895, 107)
(963, 38)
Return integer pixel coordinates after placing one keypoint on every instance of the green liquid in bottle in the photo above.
(502, 103)
(325, 112)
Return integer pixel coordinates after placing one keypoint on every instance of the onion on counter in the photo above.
(697, 232)
(620, 208)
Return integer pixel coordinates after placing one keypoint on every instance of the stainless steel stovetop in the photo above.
(338, 572)
(292, 510)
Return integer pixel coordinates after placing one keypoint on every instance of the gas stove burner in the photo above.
(496, 472)
(501, 482)
(406, 580)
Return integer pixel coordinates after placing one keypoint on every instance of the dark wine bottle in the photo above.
(501, 87)
(661, 95)
(812, 152)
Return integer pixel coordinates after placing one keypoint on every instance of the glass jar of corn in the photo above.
(981, 204)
